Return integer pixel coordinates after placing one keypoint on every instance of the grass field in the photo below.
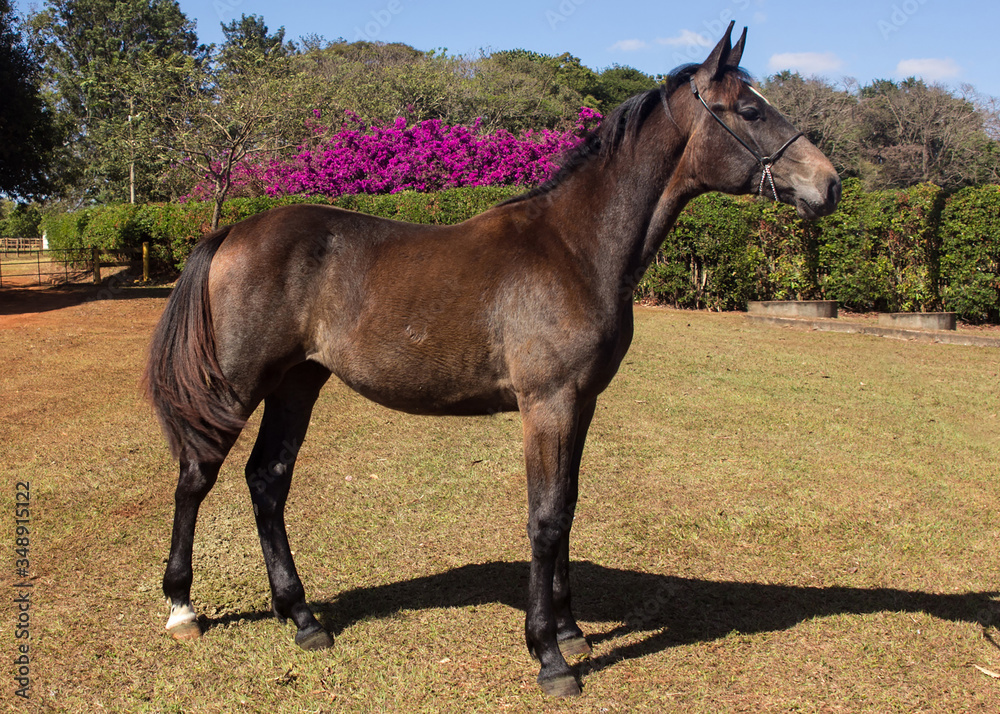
(769, 521)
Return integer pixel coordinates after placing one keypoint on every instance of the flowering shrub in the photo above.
(428, 156)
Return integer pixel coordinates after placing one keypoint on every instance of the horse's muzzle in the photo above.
(823, 203)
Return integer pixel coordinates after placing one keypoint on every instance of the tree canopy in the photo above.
(892, 134)
(29, 130)
(150, 111)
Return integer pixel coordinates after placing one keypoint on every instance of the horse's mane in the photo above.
(622, 126)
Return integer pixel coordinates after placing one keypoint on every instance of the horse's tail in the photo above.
(194, 402)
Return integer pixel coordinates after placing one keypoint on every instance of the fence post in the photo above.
(97, 265)
(145, 262)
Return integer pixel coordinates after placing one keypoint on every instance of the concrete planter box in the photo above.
(794, 308)
(918, 320)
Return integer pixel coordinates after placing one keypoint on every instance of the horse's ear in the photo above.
(736, 54)
(715, 65)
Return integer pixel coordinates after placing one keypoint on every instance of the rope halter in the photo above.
(765, 161)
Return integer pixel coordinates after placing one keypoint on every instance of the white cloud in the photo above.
(806, 62)
(687, 38)
(628, 45)
(930, 69)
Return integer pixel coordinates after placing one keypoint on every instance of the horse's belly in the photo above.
(418, 395)
(427, 381)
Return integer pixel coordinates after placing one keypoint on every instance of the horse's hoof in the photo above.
(186, 631)
(574, 647)
(315, 640)
(183, 623)
(562, 686)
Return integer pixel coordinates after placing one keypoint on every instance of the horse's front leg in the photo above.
(550, 432)
(572, 641)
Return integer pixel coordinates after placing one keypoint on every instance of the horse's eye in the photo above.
(750, 113)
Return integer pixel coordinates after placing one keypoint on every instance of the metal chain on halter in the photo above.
(764, 161)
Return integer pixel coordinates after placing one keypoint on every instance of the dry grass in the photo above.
(770, 521)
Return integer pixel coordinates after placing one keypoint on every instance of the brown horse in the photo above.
(527, 306)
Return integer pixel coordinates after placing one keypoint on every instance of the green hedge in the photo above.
(970, 253)
(914, 249)
(918, 249)
(879, 250)
(172, 229)
(445, 207)
(709, 259)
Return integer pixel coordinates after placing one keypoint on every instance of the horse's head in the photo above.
(739, 143)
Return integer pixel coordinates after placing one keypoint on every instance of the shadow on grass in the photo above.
(24, 301)
(674, 611)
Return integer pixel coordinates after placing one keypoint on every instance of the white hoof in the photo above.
(183, 623)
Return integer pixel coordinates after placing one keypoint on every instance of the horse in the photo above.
(526, 306)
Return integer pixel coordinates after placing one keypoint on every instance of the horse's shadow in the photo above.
(672, 610)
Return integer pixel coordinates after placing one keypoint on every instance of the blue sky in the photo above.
(946, 41)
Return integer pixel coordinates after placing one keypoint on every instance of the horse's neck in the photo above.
(617, 215)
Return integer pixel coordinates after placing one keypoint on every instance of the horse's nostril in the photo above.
(833, 190)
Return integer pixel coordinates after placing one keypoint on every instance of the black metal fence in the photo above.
(22, 266)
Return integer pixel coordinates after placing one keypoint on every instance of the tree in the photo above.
(250, 34)
(989, 109)
(379, 81)
(19, 220)
(894, 134)
(519, 89)
(515, 90)
(94, 50)
(586, 82)
(225, 112)
(618, 83)
(913, 133)
(29, 131)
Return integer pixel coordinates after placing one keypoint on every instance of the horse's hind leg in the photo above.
(269, 477)
(196, 480)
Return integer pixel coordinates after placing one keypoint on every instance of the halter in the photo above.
(764, 161)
